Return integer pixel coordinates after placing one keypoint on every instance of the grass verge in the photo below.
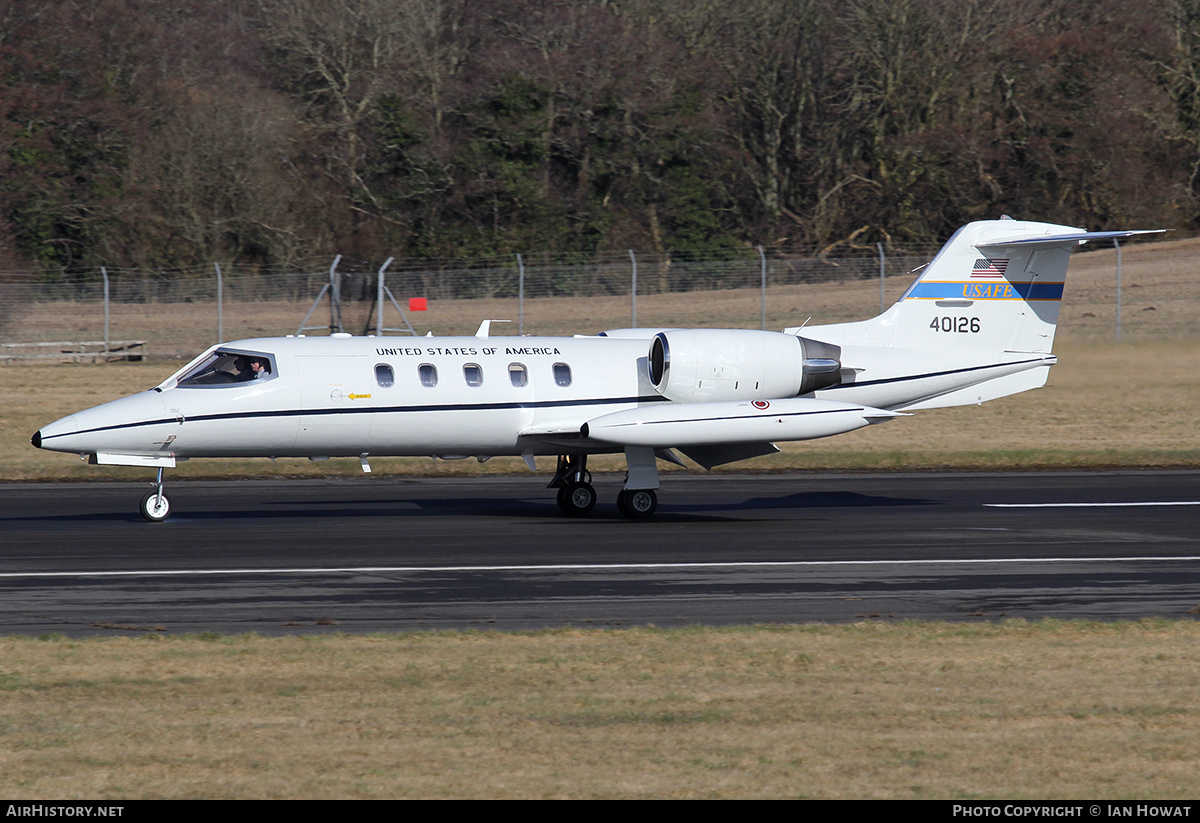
(1046, 710)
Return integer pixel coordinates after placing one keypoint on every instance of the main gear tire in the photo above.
(637, 504)
(576, 499)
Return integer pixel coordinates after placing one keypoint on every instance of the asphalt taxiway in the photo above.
(384, 554)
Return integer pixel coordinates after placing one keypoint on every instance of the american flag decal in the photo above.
(989, 268)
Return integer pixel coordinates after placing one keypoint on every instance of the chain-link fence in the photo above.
(178, 312)
(544, 275)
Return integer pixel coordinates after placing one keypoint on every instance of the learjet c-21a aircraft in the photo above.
(977, 324)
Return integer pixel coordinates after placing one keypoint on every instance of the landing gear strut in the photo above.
(155, 506)
(637, 500)
(576, 497)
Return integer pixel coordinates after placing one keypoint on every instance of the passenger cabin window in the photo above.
(562, 374)
(225, 367)
(428, 374)
(473, 374)
(517, 374)
(384, 376)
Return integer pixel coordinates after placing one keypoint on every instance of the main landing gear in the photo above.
(577, 497)
(637, 504)
(155, 506)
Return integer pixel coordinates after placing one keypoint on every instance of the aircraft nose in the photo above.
(67, 425)
(122, 425)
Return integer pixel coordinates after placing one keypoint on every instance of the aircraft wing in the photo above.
(711, 456)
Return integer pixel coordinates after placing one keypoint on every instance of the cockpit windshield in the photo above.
(224, 367)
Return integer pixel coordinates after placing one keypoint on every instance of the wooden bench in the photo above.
(73, 351)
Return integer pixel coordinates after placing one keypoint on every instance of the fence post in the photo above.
(762, 260)
(335, 320)
(520, 297)
(381, 291)
(881, 275)
(220, 307)
(104, 274)
(379, 299)
(1117, 245)
(633, 290)
(335, 298)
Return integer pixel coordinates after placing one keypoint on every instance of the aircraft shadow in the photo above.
(490, 507)
(830, 500)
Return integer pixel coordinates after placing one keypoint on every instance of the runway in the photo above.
(385, 554)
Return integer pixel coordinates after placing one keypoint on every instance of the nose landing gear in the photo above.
(155, 506)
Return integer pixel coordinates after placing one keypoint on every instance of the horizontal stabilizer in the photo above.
(995, 288)
(1059, 239)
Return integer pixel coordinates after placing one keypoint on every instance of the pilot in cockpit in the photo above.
(242, 371)
(221, 368)
(260, 369)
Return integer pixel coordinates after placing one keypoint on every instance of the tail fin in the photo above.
(996, 285)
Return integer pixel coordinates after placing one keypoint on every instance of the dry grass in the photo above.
(1017, 710)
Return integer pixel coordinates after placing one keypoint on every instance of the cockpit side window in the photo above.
(225, 367)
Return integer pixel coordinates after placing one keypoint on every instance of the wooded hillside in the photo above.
(170, 133)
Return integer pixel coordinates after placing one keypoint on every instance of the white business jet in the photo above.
(978, 323)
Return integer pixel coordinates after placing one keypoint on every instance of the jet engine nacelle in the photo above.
(708, 365)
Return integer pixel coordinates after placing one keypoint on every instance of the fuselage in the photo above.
(339, 396)
(342, 396)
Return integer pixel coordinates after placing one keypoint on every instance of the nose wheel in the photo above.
(155, 506)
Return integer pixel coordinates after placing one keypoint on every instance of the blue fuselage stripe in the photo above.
(440, 407)
(1002, 290)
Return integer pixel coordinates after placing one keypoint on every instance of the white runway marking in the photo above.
(1086, 505)
(594, 567)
